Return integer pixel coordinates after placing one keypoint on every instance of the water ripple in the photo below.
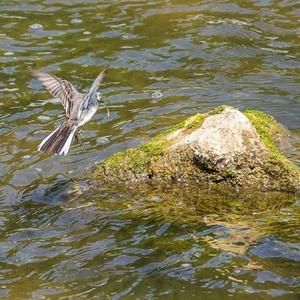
(64, 236)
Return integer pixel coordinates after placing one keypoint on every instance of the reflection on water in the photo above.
(65, 236)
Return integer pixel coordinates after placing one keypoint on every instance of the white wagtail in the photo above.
(79, 108)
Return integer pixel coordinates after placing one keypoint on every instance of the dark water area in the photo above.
(64, 236)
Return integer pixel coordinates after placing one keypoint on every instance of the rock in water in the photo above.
(223, 146)
(225, 140)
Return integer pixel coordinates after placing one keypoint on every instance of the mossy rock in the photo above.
(220, 147)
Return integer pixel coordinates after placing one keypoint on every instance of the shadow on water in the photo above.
(235, 219)
(167, 231)
(82, 236)
(235, 213)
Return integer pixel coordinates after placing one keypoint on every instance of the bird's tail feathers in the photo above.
(59, 141)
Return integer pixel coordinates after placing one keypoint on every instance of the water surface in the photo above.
(66, 237)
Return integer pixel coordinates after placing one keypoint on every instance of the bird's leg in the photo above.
(78, 137)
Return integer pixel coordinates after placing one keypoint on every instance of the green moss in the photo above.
(142, 155)
(155, 158)
(195, 121)
(218, 109)
(191, 122)
(231, 172)
(268, 128)
(115, 160)
(137, 159)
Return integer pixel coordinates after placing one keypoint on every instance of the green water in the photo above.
(64, 236)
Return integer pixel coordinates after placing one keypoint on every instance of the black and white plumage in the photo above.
(79, 109)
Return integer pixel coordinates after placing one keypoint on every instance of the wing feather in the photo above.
(92, 93)
(58, 87)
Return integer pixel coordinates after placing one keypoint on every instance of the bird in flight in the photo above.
(79, 109)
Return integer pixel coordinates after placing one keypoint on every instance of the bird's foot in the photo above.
(79, 138)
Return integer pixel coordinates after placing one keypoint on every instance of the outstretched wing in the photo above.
(91, 95)
(60, 88)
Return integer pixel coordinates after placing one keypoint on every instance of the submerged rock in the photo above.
(223, 146)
